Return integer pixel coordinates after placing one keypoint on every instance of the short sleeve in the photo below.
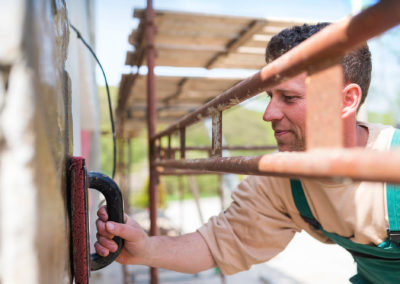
(253, 229)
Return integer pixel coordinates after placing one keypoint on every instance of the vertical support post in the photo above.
(125, 274)
(157, 147)
(169, 147)
(324, 127)
(221, 191)
(151, 125)
(121, 170)
(195, 192)
(222, 200)
(181, 193)
(129, 170)
(216, 151)
(182, 134)
(216, 140)
(125, 271)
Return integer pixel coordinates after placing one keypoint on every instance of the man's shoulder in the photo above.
(379, 135)
(266, 179)
(374, 125)
(267, 183)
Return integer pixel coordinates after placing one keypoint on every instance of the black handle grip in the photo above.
(115, 210)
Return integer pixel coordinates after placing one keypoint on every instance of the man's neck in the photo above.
(362, 135)
(356, 135)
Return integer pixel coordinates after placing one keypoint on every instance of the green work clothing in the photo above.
(375, 264)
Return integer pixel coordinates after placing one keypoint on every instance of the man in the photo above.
(266, 212)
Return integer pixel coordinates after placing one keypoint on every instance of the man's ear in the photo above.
(351, 99)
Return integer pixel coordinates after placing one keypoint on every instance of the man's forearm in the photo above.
(188, 253)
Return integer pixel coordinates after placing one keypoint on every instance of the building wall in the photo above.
(35, 142)
(84, 96)
(81, 67)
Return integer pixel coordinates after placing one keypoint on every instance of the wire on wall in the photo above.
(108, 95)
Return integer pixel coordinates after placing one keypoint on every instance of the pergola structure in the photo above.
(190, 40)
(211, 41)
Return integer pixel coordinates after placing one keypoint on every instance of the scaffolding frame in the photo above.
(325, 156)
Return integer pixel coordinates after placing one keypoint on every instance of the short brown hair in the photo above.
(356, 65)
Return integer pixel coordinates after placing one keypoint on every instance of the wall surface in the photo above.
(81, 68)
(84, 97)
(35, 142)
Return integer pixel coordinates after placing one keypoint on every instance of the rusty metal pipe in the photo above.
(239, 165)
(318, 52)
(151, 125)
(216, 140)
(356, 164)
(169, 147)
(173, 172)
(182, 138)
(231, 148)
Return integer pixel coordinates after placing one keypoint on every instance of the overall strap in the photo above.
(393, 199)
(301, 203)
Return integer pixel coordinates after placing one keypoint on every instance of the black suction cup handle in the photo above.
(115, 210)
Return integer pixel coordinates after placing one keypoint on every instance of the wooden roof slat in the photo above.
(232, 46)
(199, 39)
(179, 16)
(191, 40)
(194, 26)
(190, 47)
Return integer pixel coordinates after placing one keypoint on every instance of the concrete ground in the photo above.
(305, 260)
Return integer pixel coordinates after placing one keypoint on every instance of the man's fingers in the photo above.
(125, 231)
(101, 250)
(107, 243)
(101, 229)
(102, 213)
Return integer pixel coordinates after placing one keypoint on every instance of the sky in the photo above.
(114, 22)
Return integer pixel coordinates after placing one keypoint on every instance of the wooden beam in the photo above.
(233, 45)
(181, 86)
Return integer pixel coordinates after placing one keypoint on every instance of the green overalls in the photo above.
(375, 264)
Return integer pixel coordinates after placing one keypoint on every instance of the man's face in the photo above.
(287, 113)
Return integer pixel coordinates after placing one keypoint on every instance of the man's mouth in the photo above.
(280, 133)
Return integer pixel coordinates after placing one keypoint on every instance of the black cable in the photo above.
(108, 95)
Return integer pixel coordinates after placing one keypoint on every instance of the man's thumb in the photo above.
(124, 231)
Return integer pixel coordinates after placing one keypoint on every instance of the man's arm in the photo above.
(188, 253)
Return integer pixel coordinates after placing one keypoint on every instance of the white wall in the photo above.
(35, 140)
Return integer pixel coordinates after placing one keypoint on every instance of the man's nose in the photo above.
(272, 112)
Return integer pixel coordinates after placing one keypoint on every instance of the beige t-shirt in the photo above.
(262, 218)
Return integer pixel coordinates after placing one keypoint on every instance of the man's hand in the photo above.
(137, 243)
(171, 253)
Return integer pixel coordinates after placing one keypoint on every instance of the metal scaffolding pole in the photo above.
(151, 125)
(127, 178)
(356, 164)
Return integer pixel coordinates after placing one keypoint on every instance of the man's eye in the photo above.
(289, 98)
